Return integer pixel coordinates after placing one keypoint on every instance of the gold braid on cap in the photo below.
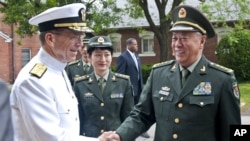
(69, 24)
(192, 24)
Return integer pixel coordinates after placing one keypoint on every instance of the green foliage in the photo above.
(18, 12)
(146, 69)
(234, 52)
(219, 11)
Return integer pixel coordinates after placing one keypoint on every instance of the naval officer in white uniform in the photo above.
(44, 107)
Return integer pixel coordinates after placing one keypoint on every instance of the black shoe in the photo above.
(145, 135)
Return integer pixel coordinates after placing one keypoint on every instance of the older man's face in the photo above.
(187, 46)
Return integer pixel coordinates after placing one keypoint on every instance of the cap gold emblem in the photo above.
(83, 14)
(182, 13)
(100, 40)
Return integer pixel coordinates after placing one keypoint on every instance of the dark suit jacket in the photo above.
(126, 65)
(6, 130)
(75, 69)
(103, 112)
(202, 110)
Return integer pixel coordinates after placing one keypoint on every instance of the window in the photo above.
(147, 43)
(26, 56)
(116, 41)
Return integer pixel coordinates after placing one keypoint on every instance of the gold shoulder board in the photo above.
(122, 75)
(79, 78)
(162, 64)
(38, 70)
(222, 68)
(73, 62)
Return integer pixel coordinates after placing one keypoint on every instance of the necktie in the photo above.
(185, 74)
(101, 84)
(86, 68)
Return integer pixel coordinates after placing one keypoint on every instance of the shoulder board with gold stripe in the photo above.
(122, 75)
(221, 68)
(38, 70)
(73, 62)
(163, 64)
(80, 78)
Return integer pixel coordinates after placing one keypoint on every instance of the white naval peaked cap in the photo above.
(70, 16)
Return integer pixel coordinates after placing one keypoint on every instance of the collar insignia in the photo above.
(203, 69)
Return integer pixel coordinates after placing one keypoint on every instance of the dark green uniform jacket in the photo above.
(103, 112)
(201, 111)
(75, 69)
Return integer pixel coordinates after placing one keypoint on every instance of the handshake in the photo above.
(109, 136)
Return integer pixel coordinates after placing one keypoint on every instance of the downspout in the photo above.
(13, 55)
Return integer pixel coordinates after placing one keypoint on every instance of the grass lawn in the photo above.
(245, 96)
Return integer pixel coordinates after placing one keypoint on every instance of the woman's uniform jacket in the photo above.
(103, 112)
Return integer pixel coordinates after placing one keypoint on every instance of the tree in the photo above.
(233, 52)
(217, 11)
(101, 14)
(221, 11)
(161, 31)
(18, 12)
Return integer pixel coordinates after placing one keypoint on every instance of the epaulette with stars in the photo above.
(122, 75)
(73, 62)
(80, 78)
(162, 64)
(221, 68)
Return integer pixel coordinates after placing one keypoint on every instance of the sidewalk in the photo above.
(245, 120)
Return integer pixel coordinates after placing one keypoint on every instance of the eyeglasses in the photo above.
(71, 37)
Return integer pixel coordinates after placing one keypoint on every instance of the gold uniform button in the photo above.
(180, 105)
(102, 118)
(175, 136)
(161, 98)
(102, 131)
(177, 120)
(202, 103)
(102, 104)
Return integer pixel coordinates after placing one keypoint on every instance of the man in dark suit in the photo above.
(6, 130)
(105, 98)
(200, 106)
(129, 63)
(82, 66)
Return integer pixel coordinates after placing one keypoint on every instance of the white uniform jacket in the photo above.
(44, 108)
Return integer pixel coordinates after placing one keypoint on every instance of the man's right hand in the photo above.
(109, 136)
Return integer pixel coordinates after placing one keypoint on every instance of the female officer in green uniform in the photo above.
(103, 106)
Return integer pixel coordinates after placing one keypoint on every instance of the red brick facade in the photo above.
(11, 53)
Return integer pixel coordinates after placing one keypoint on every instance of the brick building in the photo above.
(15, 55)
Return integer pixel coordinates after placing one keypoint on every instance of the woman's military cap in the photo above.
(70, 16)
(100, 42)
(187, 18)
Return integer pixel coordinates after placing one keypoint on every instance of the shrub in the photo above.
(234, 52)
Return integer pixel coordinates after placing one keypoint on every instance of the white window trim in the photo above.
(148, 35)
(117, 38)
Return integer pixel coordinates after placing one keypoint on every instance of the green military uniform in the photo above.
(75, 69)
(103, 112)
(203, 108)
(201, 111)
